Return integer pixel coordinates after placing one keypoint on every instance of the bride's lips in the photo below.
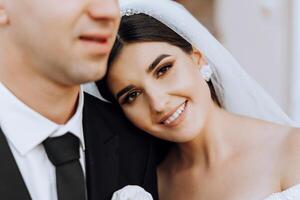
(174, 117)
(96, 43)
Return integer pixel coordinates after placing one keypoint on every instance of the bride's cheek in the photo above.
(137, 114)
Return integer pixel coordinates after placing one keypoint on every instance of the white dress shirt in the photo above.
(25, 131)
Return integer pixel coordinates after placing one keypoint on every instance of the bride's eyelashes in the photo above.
(159, 72)
(130, 97)
(163, 69)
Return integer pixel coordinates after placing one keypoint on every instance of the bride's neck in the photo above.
(212, 145)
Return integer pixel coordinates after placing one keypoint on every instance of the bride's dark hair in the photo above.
(144, 28)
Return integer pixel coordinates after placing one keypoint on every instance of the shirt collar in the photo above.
(74, 125)
(26, 129)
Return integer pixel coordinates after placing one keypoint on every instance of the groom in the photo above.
(55, 141)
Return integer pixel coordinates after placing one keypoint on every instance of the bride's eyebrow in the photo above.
(123, 91)
(156, 62)
(149, 69)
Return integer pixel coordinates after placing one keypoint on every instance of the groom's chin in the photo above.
(90, 72)
(80, 77)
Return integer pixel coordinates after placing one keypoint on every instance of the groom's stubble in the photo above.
(47, 37)
(48, 48)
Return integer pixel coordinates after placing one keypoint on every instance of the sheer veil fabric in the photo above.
(238, 92)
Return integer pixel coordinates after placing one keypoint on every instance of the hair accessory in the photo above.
(129, 12)
(206, 72)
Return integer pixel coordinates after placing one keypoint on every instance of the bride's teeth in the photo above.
(175, 115)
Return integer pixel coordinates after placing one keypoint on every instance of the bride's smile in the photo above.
(162, 90)
(174, 118)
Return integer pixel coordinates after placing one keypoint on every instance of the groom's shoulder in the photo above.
(134, 149)
(132, 140)
(113, 117)
(90, 100)
(97, 106)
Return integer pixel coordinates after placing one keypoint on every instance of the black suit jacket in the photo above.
(117, 154)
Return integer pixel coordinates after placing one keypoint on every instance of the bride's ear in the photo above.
(198, 58)
(3, 14)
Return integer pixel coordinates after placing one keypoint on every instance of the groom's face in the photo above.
(67, 41)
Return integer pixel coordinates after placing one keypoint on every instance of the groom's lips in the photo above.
(96, 43)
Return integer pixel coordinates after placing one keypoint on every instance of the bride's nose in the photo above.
(158, 99)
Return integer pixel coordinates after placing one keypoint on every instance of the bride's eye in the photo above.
(130, 97)
(162, 70)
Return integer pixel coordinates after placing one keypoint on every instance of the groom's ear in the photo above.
(3, 14)
(198, 58)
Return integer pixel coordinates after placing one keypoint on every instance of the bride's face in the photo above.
(160, 89)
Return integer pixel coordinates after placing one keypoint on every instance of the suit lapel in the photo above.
(12, 185)
(101, 154)
(117, 154)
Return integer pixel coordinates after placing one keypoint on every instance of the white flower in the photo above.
(131, 192)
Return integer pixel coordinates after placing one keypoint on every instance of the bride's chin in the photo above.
(177, 136)
(181, 138)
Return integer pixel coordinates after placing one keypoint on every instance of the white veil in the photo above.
(239, 92)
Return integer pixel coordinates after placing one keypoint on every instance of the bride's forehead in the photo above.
(143, 54)
(147, 49)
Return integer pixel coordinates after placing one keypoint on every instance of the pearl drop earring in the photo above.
(206, 72)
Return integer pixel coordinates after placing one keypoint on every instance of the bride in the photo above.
(171, 78)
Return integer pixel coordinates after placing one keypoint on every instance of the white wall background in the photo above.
(257, 33)
(295, 75)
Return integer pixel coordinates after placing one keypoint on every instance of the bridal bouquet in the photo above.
(131, 192)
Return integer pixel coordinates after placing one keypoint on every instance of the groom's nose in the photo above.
(105, 10)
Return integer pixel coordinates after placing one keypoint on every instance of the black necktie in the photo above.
(63, 152)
